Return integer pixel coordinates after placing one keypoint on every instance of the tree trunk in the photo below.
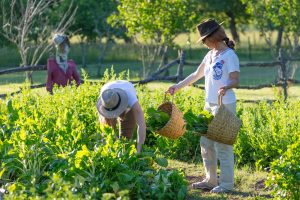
(29, 77)
(232, 26)
(279, 39)
(165, 62)
(278, 46)
(102, 50)
(83, 47)
(164, 57)
(181, 56)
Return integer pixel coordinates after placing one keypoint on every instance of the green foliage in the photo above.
(198, 124)
(230, 11)
(156, 119)
(157, 19)
(53, 146)
(267, 129)
(185, 147)
(273, 14)
(91, 22)
(285, 173)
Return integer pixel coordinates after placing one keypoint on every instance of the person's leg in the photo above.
(127, 125)
(226, 158)
(209, 160)
(209, 157)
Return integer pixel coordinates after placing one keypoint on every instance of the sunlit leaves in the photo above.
(56, 148)
(156, 19)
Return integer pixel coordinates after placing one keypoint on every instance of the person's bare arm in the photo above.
(192, 78)
(234, 80)
(141, 130)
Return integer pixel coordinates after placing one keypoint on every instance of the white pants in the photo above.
(212, 151)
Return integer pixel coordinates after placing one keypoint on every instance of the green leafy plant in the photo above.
(198, 124)
(285, 174)
(52, 146)
(157, 119)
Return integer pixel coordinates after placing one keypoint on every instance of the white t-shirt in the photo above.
(216, 74)
(126, 86)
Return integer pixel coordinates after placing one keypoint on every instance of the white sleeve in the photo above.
(206, 57)
(131, 93)
(233, 63)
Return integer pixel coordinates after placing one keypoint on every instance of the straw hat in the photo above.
(112, 103)
(207, 27)
(59, 38)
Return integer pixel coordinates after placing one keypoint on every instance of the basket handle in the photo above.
(220, 102)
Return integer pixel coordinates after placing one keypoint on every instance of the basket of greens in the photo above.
(167, 120)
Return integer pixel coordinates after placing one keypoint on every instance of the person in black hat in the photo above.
(118, 101)
(220, 67)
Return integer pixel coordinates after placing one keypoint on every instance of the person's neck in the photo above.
(220, 46)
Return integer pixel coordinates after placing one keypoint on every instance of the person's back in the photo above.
(118, 102)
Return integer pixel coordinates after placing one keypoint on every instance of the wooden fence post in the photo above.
(283, 60)
(180, 66)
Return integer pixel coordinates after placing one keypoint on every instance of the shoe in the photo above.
(202, 185)
(219, 189)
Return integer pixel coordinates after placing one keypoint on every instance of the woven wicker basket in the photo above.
(175, 127)
(224, 127)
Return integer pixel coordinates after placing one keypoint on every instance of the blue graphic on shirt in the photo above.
(217, 74)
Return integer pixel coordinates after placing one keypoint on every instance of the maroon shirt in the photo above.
(57, 76)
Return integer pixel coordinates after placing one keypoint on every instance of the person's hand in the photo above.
(173, 89)
(222, 90)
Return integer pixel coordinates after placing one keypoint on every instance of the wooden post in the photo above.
(283, 60)
(180, 66)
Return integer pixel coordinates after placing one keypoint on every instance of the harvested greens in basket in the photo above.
(198, 124)
(156, 119)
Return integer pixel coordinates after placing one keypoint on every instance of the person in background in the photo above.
(220, 67)
(118, 102)
(61, 71)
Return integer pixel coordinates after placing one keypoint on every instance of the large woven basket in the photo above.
(224, 127)
(175, 127)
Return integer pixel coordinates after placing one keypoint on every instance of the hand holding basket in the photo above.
(224, 127)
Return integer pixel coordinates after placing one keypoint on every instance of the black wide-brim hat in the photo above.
(207, 27)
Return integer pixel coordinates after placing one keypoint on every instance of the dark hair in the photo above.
(67, 41)
(220, 35)
(229, 43)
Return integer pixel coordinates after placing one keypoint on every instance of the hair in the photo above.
(229, 43)
(220, 35)
(67, 41)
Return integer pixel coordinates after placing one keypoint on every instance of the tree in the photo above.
(83, 24)
(26, 24)
(91, 25)
(282, 16)
(154, 24)
(234, 10)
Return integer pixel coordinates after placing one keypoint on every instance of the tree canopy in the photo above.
(159, 20)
